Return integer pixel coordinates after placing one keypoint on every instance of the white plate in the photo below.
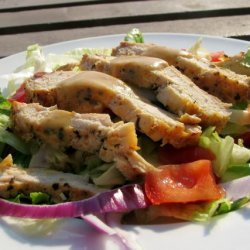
(229, 232)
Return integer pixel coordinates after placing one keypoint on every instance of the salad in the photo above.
(218, 161)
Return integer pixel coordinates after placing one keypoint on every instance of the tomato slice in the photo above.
(170, 155)
(20, 95)
(189, 182)
(217, 56)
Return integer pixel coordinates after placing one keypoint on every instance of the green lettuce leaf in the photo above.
(14, 141)
(109, 178)
(134, 35)
(235, 172)
(226, 151)
(218, 207)
(33, 198)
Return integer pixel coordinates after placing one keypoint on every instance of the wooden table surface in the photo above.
(48, 21)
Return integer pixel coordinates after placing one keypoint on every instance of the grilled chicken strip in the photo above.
(223, 83)
(173, 89)
(60, 186)
(89, 89)
(36, 88)
(92, 133)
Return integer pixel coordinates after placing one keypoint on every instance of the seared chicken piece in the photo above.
(174, 90)
(36, 88)
(223, 83)
(60, 186)
(92, 133)
(99, 89)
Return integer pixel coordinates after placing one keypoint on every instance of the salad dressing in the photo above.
(98, 88)
(144, 62)
(135, 69)
(97, 83)
(165, 53)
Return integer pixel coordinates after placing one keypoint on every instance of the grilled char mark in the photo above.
(91, 133)
(223, 83)
(174, 90)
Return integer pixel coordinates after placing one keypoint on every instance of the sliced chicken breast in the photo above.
(60, 186)
(223, 83)
(76, 92)
(92, 133)
(36, 88)
(173, 89)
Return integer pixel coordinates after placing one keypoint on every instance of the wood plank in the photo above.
(14, 4)
(219, 26)
(8, 4)
(99, 14)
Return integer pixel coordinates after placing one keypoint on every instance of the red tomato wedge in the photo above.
(170, 155)
(189, 182)
(20, 95)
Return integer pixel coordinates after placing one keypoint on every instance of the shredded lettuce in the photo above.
(199, 51)
(236, 171)
(101, 173)
(134, 35)
(48, 157)
(14, 141)
(37, 61)
(79, 52)
(7, 137)
(32, 198)
(226, 151)
(219, 207)
(110, 178)
(5, 107)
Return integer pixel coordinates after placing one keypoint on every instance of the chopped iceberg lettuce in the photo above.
(37, 61)
(226, 151)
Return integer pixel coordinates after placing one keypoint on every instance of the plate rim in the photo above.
(123, 34)
(120, 35)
